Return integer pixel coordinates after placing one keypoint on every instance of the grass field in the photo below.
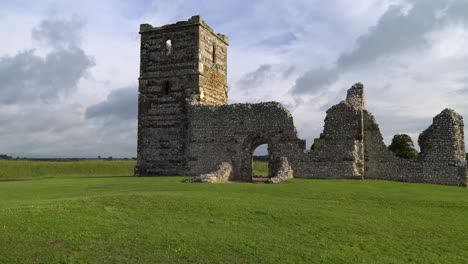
(26, 169)
(260, 168)
(163, 220)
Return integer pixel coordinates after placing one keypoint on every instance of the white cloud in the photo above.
(410, 54)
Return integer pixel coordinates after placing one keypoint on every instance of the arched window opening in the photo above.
(260, 164)
(166, 88)
(168, 47)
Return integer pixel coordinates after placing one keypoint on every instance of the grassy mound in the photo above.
(162, 220)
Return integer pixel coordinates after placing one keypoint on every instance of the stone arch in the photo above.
(250, 144)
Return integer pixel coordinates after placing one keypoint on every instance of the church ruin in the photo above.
(186, 127)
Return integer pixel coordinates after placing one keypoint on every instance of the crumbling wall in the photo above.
(443, 141)
(339, 152)
(284, 172)
(443, 150)
(441, 160)
(186, 128)
(381, 163)
(351, 145)
(222, 174)
(230, 133)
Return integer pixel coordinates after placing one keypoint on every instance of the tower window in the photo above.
(166, 88)
(168, 48)
(214, 53)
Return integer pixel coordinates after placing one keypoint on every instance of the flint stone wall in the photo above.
(222, 174)
(194, 70)
(339, 152)
(284, 173)
(232, 132)
(351, 145)
(441, 160)
(185, 126)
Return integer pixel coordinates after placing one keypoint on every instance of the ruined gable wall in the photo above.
(440, 160)
(443, 150)
(444, 139)
(351, 146)
(338, 153)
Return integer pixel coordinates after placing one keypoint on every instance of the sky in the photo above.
(69, 69)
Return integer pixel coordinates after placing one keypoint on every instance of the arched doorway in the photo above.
(260, 163)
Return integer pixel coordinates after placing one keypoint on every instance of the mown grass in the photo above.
(27, 169)
(260, 168)
(163, 220)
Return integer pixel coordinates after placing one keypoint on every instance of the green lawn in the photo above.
(26, 169)
(163, 220)
(260, 168)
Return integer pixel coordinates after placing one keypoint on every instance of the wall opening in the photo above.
(168, 48)
(166, 88)
(260, 163)
(214, 53)
(403, 147)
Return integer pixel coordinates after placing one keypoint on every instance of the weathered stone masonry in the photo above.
(186, 126)
(180, 64)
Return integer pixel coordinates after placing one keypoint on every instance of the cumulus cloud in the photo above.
(278, 40)
(36, 130)
(288, 72)
(400, 28)
(115, 123)
(304, 58)
(58, 33)
(315, 81)
(121, 104)
(256, 78)
(27, 77)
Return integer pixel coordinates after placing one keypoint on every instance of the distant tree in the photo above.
(5, 157)
(403, 147)
(466, 156)
(261, 158)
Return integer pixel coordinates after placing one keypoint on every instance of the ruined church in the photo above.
(186, 126)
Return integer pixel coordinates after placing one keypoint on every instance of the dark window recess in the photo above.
(166, 88)
(214, 53)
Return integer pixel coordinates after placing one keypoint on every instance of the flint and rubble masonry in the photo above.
(186, 127)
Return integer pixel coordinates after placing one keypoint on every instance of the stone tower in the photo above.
(181, 64)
